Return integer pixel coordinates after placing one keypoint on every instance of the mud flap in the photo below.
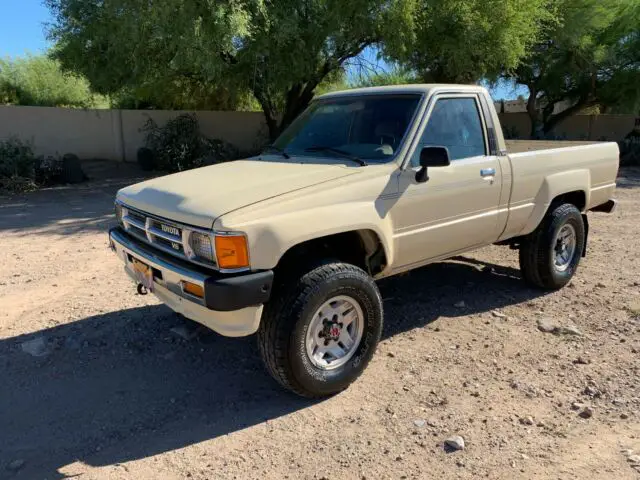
(585, 220)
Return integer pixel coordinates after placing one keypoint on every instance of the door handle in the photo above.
(487, 172)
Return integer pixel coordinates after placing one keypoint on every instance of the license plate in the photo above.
(144, 274)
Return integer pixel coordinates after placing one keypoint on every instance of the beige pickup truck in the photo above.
(365, 184)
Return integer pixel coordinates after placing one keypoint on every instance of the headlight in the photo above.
(119, 214)
(202, 246)
(231, 250)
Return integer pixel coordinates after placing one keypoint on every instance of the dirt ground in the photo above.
(94, 383)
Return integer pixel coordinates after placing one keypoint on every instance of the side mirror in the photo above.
(431, 157)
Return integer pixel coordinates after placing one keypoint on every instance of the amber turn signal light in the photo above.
(193, 289)
(232, 251)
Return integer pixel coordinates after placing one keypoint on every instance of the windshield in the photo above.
(366, 127)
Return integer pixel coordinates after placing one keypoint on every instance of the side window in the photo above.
(454, 123)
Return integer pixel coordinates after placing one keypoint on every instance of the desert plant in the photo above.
(179, 145)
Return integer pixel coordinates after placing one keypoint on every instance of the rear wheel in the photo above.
(322, 329)
(550, 255)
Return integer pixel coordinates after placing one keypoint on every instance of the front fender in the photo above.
(270, 238)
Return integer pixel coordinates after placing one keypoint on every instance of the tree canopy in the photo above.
(589, 59)
(280, 51)
(462, 41)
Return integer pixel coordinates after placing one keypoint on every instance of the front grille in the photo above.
(163, 234)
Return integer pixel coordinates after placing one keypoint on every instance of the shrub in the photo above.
(39, 80)
(21, 171)
(17, 165)
(179, 145)
(630, 150)
(510, 132)
(16, 158)
(48, 170)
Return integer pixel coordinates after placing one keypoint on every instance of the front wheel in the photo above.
(550, 255)
(320, 334)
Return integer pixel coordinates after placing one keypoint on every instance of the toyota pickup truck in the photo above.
(364, 184)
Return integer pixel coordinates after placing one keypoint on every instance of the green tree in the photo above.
(394, 76)
(279, 50)
(39, 81)
(283, 50)
(462, 41)
(589, 60)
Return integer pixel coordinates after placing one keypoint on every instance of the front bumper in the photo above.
(232, 304)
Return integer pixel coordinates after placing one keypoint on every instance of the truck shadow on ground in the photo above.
(121, 386)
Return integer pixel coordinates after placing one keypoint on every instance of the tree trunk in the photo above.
(270, 113)
(298, 99)
(552, 120)
(532, 111)
(272, 123)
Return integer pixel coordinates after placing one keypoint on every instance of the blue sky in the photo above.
(22, 27)
(22, 30)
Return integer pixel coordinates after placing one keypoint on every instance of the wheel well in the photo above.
(577, 198)
(362, 248)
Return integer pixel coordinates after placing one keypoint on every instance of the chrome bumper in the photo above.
(167, 286)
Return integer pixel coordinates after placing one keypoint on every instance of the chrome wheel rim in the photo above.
(334, 332)
(564, 247)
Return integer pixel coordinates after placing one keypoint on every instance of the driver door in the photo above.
(457, 208)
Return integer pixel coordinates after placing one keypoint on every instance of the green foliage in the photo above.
(590, 58)
(396, 76)
(464, 40)
(333, 82)
(39, 81)
(179, 145)
(180, 94)
(280, 51)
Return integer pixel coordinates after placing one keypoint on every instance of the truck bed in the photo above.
(542, 170)
(517, 146)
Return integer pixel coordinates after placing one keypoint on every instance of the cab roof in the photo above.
(419, 88)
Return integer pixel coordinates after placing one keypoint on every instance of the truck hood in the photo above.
(197, 197)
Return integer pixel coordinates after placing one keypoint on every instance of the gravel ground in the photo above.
(99, 382)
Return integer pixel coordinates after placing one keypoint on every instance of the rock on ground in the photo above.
(15, 465)
(455, 442)
(547, 325)
(36, 347)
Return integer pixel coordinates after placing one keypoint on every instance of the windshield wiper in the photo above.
(277, 149)
(337, 151)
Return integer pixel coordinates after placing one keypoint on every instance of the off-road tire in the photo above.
(282, 332)
(536, 251)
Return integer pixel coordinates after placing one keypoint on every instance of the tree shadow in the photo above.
(628, 177)
(433, 292)
(120, 386)
(69, 209)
